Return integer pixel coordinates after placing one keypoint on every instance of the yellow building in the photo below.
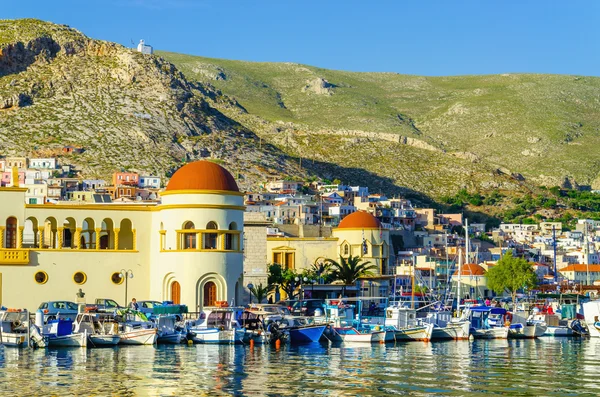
(358, 234)
(187, 249)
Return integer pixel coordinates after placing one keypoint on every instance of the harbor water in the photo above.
(542, 367)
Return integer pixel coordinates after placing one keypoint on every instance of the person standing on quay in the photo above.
(134, 305)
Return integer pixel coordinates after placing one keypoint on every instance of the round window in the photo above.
(117, 278)
(41, 277)
(80, 278)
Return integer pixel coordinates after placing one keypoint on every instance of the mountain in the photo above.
(543, 128)
(420, 136)
(125, 109)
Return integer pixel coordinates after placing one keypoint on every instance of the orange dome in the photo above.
(471, 269)
(360, 220)
(202, 175)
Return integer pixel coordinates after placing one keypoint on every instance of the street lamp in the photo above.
(250, 286)
(126, 274)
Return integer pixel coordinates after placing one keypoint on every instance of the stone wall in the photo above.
(255, 251)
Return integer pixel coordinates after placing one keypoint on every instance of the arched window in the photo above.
(11, 232)
(231, 238)
(126, 235)
(346, 249)
(107, 235)
(189, 238)
(210, 239)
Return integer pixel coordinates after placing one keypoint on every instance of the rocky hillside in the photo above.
(397, 134)
(125, 109)
(544, 128)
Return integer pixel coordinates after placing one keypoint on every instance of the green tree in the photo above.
(511, 274)
(351, 269)
(278, 277)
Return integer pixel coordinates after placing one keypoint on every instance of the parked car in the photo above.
(308, 307)
(104, 305)
(55, 309)
(147, 307)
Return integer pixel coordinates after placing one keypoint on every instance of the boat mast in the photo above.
(412, 289)
(458, 283)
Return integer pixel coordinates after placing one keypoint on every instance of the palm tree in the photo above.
(351, 269)
(320, 268)
(259, 292)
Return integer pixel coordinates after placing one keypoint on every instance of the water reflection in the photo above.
(550, 367)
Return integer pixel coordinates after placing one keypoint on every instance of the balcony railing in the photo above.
(14, 256)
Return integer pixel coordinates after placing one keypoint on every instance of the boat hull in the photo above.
(169, 339)
(561, 331)
(490, 333)
(452, 331)
(139, 337)
(418, 333)
(527, 331)
(72, 340)
(14, 339)
(217, 336)
(306, 334)
(350, 335)
(104, 340)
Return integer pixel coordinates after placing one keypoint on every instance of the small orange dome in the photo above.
(360, 220)
(202, 175)
(471, 269)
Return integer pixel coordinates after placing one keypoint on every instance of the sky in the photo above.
(422, 37)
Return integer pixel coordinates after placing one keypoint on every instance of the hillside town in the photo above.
(293, 223)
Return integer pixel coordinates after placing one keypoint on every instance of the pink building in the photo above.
(6, 178)
(125, 178)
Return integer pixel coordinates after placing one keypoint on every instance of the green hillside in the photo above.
(545, 127)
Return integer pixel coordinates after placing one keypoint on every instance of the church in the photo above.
(187, 249)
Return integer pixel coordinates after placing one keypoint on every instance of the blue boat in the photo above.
(302, 334)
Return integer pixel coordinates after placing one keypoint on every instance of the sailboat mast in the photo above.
(459, 278)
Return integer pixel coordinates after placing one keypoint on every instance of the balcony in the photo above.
(14, 256)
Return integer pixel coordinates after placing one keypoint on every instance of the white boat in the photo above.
(138, 336)
(219, 325)
(561, 330)
(446, 327)
(526, 330)
(167, 333)
(352, 335)
(135, 329)
(524, 327)
(405, 324)
(59, 333)
(487, 322)
(14, 327)
(71, 340)
(591, 314)
(102, 330)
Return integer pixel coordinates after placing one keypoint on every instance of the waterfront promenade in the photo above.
(542, 367)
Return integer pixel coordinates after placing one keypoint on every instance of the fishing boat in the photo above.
(135, 329)
(101, 329)
(522, 327)
(59, 333)
(445, 327)
(167, 329)
(218, 325)
(16, 329)
(352, 335)
(487, 322)
(305, 333)
(404, 323)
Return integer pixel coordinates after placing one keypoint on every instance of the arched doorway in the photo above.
(210, 294)
(11, 232)
(176, 292)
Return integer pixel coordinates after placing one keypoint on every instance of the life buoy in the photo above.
(509, 317)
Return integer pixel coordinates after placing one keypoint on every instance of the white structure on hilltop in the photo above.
(144, 48)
